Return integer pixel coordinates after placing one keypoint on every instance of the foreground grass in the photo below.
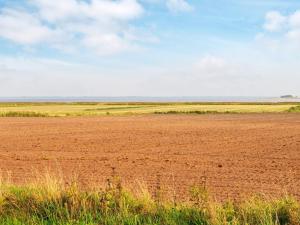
(97, 109)
(48, 201)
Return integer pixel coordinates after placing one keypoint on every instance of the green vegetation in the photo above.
(97, 109)
(23, 114)
(294, 109)
(194, 112)
(48, 201)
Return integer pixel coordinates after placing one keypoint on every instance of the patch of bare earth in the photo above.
(233, 155)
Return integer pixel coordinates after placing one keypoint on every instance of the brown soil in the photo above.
(234, 155)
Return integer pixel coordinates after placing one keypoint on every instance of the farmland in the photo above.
(96, 109)
(234, 154)
(149, 163)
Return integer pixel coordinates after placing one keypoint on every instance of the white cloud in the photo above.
(294, 19)
(274, 21)
(173, 5)
(24, 28)
(178, 5)
(53, 11)
(95, 9)
(287, 28)
(294, 35)
(99, 25)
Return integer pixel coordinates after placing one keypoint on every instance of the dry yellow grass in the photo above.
(94, 109)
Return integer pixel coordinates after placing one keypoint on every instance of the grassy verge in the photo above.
(48, 201)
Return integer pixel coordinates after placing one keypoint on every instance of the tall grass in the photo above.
(49, 201)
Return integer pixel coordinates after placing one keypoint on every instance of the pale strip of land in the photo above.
(97, 109)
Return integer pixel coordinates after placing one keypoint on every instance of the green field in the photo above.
(95, 109)
(49, 201)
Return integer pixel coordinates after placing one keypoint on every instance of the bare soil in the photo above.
(233, 155)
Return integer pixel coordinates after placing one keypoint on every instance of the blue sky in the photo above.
(149, 47)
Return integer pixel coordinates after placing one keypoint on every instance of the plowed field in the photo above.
(233, 155)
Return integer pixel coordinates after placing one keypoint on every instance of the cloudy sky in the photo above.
(149, 47)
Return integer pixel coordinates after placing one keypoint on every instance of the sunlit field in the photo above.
(94, 109)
